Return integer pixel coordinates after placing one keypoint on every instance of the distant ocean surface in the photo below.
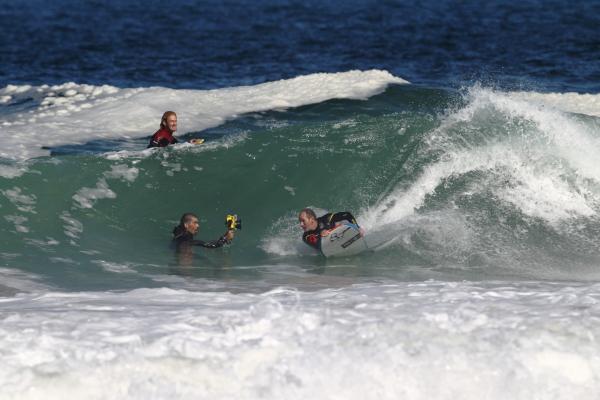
(464, 136)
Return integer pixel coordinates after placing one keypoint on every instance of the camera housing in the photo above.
(233, 222)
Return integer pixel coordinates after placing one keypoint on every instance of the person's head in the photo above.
(187, 224)
(308, 219)
(169, 121)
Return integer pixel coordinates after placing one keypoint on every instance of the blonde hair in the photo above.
(163, 120)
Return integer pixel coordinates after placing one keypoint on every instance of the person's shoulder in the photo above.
(160, 132)
(325, 217)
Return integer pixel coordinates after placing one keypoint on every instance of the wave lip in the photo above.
(531, 140)
(75, 114)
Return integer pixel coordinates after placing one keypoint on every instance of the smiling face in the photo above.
(171, 122)
(307, 222)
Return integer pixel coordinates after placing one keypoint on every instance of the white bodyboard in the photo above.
(343, 240)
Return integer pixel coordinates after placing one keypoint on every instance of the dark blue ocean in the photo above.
(548, 45)
(464, 136)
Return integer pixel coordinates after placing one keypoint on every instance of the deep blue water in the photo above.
(546, 45)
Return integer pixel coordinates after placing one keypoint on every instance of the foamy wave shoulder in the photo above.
(588, 104)
(47, 116)
(542, 157)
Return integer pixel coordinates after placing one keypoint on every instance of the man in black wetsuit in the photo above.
(183, 234)
(313, 226)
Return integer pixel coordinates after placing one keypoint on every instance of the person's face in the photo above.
(307, 222)
(192, 226)
(172, 123)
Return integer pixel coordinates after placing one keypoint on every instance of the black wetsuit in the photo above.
(181, 238)
(327, 221)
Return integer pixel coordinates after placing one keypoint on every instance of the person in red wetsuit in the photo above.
(164, 136)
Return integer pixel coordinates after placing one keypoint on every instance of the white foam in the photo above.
(573, 140)
(12, 171)
(63, 260)
(588, 104)
(545, 164)
(382, 341)
(171, 168)
(118, 268)
(290, 189)
(284, 236)
(72, 227)
(19, 222)
(20, 281)
(135, 155)
(86, 197)
(22, 201)
(286, 246)
(547, 197)
(122, 172)
(72, 113)
(43, 244)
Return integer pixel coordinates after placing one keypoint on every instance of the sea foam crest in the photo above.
(72, 113)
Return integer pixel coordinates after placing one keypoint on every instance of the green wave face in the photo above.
(446, 185)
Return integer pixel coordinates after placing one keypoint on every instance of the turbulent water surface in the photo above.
(463, 137)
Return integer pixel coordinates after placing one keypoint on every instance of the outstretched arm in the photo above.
(213, 244)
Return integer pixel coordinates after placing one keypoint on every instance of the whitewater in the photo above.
(421, 340)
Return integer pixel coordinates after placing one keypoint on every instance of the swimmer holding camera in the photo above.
(183, 234)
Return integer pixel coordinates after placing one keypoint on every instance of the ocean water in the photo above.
(463, 136)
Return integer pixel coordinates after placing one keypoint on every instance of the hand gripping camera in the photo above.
(233, 222)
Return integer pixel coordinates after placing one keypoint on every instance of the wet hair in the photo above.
(166, 115)
(309, 212)
(180, 229)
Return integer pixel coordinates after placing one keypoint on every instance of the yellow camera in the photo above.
(233, 222)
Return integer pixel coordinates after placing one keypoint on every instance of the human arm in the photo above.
(213, 244)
